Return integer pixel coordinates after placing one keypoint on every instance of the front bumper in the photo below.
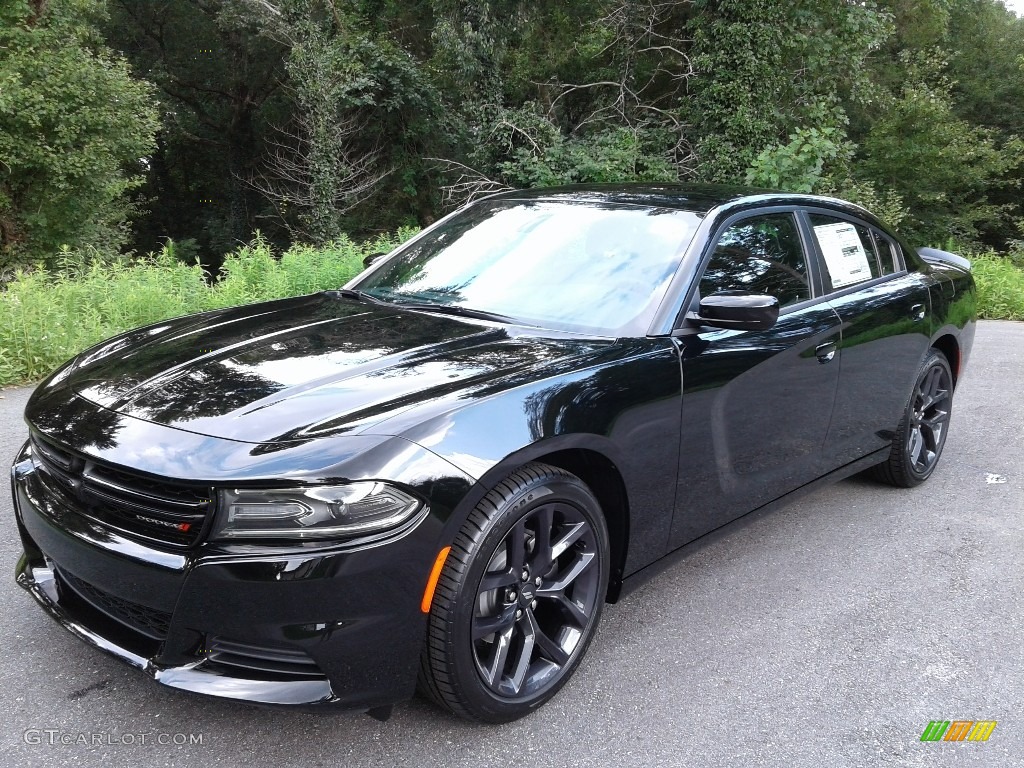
(337, 627)
(42, 585)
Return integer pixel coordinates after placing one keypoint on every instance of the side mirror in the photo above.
(372, 259)
(738, 311)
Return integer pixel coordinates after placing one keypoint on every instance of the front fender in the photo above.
(626, 409)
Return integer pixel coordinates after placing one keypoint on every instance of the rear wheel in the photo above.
(519, 597)
(919, 439)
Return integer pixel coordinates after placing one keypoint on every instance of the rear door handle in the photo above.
(917, 312)
(825, 352)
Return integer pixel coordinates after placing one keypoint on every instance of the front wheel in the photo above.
(518, 598)
(919, 439)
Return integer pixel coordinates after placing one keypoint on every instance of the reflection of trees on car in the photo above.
(762, 256)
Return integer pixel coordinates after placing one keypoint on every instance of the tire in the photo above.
(519, 597)
(917, 445)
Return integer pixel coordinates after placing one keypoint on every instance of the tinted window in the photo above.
(580, 266)
(759, 255)
(886, 254)
(848, 250)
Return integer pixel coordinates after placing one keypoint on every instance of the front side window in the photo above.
(591, 267)
(847, 249)
(760, 255)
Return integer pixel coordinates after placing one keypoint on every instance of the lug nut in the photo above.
(533, 604)
(519, 614)
(526, 575)
(511, 595)
(537, 581)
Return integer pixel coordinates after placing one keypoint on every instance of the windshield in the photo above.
(588, 267)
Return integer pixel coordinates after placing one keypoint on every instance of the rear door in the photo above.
(885, 311)
(756, 404)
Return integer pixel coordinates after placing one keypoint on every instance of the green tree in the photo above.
(75, 131)
(941, 165)
(986, 46)
(767, 71)
(937, 123)
(357, 97)
(219, 79)
(563, 92)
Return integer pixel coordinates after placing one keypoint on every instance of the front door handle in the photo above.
(917, 312)
(825, 352)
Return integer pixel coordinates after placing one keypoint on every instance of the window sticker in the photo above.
(844, 253)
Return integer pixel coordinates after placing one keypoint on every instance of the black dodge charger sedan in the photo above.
(438, 474)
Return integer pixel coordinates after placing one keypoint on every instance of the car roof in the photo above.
(698, 198)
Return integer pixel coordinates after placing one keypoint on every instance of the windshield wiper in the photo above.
(423, 306)
(350, 293)
(455, 309)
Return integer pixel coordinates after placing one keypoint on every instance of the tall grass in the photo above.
(1000, 286)
(47, 316)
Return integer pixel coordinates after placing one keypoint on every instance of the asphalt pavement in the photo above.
(827, 634)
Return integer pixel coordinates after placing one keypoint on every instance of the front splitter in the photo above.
(42, 585)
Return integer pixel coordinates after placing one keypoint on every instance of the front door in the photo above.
(756, 404)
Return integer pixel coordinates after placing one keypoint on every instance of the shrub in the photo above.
(47, 316)
(1000, 286)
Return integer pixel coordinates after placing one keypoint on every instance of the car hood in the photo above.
(299, 368)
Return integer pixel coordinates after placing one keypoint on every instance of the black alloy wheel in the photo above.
(518, 598)
(921, 435)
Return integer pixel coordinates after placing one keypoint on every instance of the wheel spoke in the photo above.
(542, 555)
(935, 423)
(498, 579)
(525, 655)
(933, 398)
(562, 580)
(916, 444)
(928, 456)
(497, 666)
(517, 547)
(925, 389)
(547, 646)
(488, 625)
(570, 537)
(933, 389)
(576, 614)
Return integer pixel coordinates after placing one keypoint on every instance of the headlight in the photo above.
(324, 512)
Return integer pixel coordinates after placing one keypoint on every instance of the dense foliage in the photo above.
(309, 118)
(73, 124)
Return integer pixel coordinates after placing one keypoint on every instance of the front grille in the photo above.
(148, 621)
(247, 660)
(155, 510)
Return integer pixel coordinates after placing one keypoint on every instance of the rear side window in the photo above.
(886, 254)
(762, 255)
(848, 250)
